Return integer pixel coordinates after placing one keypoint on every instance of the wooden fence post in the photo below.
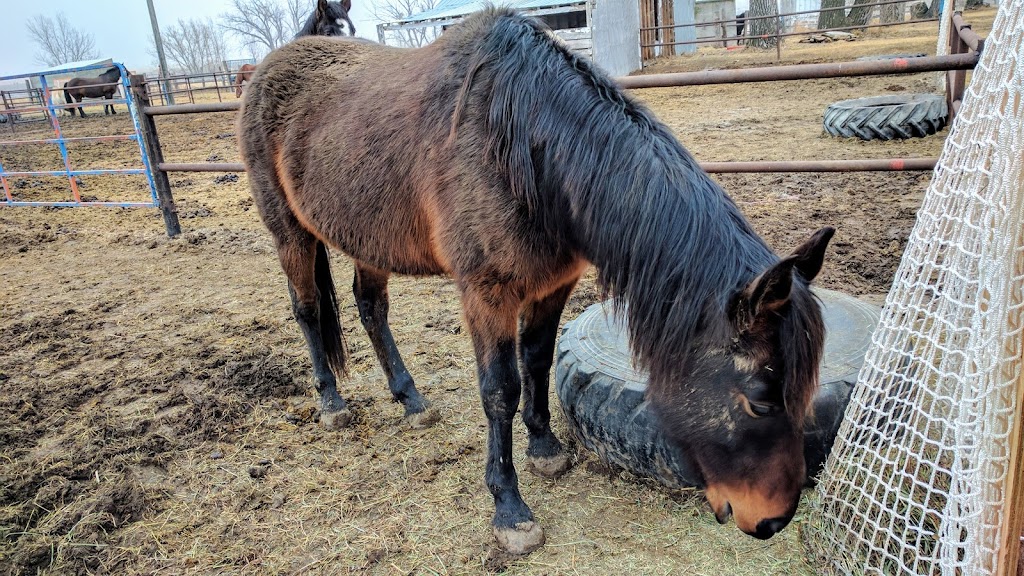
(1010, 560)
(156, 156)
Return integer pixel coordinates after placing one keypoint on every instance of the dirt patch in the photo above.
(156, 412)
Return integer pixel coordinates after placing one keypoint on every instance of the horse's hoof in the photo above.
(422, 419)
(522, 538)
(334, 421)
(549, 466)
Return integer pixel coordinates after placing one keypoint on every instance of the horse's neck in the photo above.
(661, 233)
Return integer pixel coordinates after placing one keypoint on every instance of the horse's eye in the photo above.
(758, 408)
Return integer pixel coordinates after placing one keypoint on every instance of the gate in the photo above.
(50, 111)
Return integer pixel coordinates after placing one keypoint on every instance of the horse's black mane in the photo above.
(638, 193)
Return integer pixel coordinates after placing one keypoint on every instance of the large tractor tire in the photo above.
(602, 396)
(887, 117)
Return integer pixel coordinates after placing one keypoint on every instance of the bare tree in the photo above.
(859, 14)
(761, 32)
(195, 45)
(832, 18)
(59, 41)
(394, 10)
(891, 13)
(298, 11)
(261, 25)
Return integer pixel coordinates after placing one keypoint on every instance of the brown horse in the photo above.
(103, 86)
(244, 74)
(500, 157)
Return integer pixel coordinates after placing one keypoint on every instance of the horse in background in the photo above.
(328, 19)
(500, 157)
(103, 86)
(244, 75)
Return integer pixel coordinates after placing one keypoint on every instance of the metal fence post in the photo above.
(163, 185)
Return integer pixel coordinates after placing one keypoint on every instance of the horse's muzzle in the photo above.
(768, 528)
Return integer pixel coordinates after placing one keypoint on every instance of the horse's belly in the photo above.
(394, 240)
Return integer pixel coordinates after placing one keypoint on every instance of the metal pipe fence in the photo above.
(965, 48)
(50, 110)
(166, 89)
(779, 33)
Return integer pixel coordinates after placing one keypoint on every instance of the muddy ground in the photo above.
(156, 410)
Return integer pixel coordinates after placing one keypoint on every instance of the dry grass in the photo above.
(156, 415)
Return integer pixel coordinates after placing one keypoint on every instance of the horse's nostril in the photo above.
(722, 516)
(768, 528)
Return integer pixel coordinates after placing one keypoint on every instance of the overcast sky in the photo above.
(121, 27)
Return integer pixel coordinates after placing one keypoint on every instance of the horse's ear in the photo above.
(770, 291)
(766, 293)
(347, 5)
(321, 9)
(810, 255)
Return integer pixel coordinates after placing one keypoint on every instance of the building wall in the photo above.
(684, 11)
(615, 33)
(710, 11)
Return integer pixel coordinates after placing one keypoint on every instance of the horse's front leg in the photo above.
(491, 315)
(537, 333)
(111, 106)
(370, 287)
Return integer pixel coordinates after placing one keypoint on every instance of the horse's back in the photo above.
(313, 121)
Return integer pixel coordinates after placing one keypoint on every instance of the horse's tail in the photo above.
(330, 325)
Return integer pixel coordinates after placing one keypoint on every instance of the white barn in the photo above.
(607, 31)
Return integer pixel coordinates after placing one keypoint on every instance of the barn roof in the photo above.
(451, 9)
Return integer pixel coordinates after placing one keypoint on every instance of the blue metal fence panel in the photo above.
(60, 141)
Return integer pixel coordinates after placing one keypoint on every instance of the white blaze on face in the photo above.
(338, 21)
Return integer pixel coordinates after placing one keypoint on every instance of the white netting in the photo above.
(945, 24)
(916, 481)
(945, 28)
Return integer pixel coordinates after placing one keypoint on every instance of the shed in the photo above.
(606, 31)
(715, 11)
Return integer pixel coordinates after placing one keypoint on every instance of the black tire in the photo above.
(602, 396)
(887, 117)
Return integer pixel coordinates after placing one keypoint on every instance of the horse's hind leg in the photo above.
(306, 264)
(537, 333)
(371, 290)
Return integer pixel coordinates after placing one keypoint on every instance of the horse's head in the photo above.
(113, 73)
(329, 19)
(739, 411)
